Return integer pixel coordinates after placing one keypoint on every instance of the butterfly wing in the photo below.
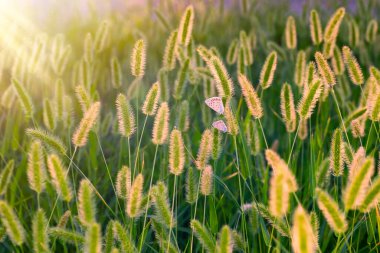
(220, 125)
(216, 104)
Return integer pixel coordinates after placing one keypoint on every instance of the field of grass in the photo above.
(109, 144)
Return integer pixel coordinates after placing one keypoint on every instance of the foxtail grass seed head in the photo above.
(371, 31)
(191, 186)
(204, 150)
(93, 239)
(332, 27)
(253, 136)
(116, 74)
(48, 118)
(169, 60)
(59, 99)
(40, 235)
(314, 220)
(59, 177)
(161, 125)
(126, 118)
(226, 241)
(176, 153)
(324, 70)
(181, 80)
(84, 98)
(207, 181)
(66, 236)
(315, 28)
(330, 210)
(6, 176)
(241, 68)
(357, 185)
(373, 107)
(50, 141)
(138, 59)
(303, 238)
(186, 26)
(102, 36)
(303, 131)
(123, 237)
(64, 219)
(371, 197)
(135, 197)
(232, 124)
(353, 33)
(183, 121)
(251, 98)
(151, 100)
(299, 72)
(24, 98)
(353, 67)
(357, 161)
(163, 81)
(279, 166)
(328, 48)
(246, 47)
(223, 81)
(11, 222)
(232, 52)
(204, 53)
(86, 203)
(123, 182)
(337, 61)
(37, 53)
(309, 99)
(203, 235)
(337, 153)
(291, 33)
(310, 73)
(267, 72)
(375, 72)
(358, 127)
(288, 111)
(278, 224)
(85, 73)
(278, 195)
(36, 170)
(216, 144)
(88, 121)
(163, 213)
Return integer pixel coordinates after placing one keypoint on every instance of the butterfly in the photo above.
(220, 125)
(216, 104)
